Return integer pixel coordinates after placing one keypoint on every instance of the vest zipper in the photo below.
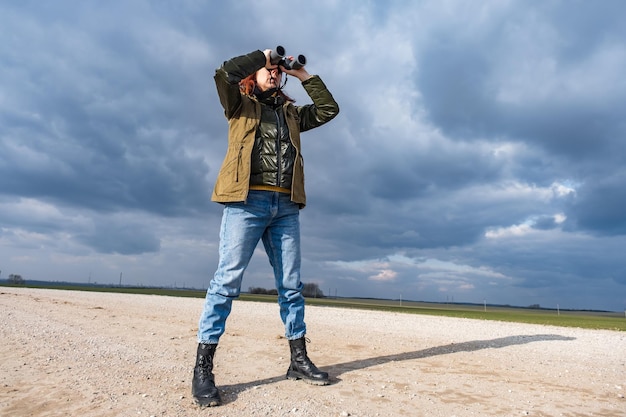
(279, 134)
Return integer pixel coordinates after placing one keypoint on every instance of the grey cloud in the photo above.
(103, 125)
(599, 205)
(126, 239)
(461, 76)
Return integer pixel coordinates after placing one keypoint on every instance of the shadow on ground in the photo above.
(230, 391)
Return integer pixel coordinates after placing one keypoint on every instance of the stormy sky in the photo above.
(479, 155)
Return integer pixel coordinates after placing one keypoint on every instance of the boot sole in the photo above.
(206, 402)
(319, 382)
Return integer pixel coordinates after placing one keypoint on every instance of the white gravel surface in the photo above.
(67, 353)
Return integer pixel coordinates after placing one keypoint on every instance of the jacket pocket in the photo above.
(239, 162)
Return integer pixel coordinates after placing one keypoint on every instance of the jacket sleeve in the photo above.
(323, 109)
(228, 76)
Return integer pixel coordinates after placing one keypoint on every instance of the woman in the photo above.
(261, 184)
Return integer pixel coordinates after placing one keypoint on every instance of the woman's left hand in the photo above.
(300, 73)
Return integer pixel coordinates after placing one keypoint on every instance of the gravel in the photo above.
(104, 354)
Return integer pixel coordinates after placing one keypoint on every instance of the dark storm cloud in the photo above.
(99, 120)
(600, 203)
(124, 239)
(457, 82)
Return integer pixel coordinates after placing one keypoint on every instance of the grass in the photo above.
(567, 318)
(564, 318)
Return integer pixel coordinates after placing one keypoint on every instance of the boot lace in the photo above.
(203, 368)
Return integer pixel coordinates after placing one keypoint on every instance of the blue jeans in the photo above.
(273, 218)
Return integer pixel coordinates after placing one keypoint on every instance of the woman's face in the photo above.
(266, 79)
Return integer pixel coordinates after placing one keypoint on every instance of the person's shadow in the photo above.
(339, 369)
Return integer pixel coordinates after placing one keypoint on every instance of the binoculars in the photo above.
(277, 57)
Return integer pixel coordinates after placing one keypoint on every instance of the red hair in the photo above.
(248, 84)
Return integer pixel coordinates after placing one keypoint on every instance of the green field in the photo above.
(564, 318)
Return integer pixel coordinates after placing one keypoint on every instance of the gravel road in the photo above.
(103, 354)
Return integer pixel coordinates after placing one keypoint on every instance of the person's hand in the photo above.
(301, 73)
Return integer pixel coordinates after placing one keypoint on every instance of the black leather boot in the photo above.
(203, 386)
(301, 366)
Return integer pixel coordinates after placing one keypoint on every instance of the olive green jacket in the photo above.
(244, 113)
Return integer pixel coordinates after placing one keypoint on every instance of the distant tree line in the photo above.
(16, 279)
(311, 290)
(264, 291)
